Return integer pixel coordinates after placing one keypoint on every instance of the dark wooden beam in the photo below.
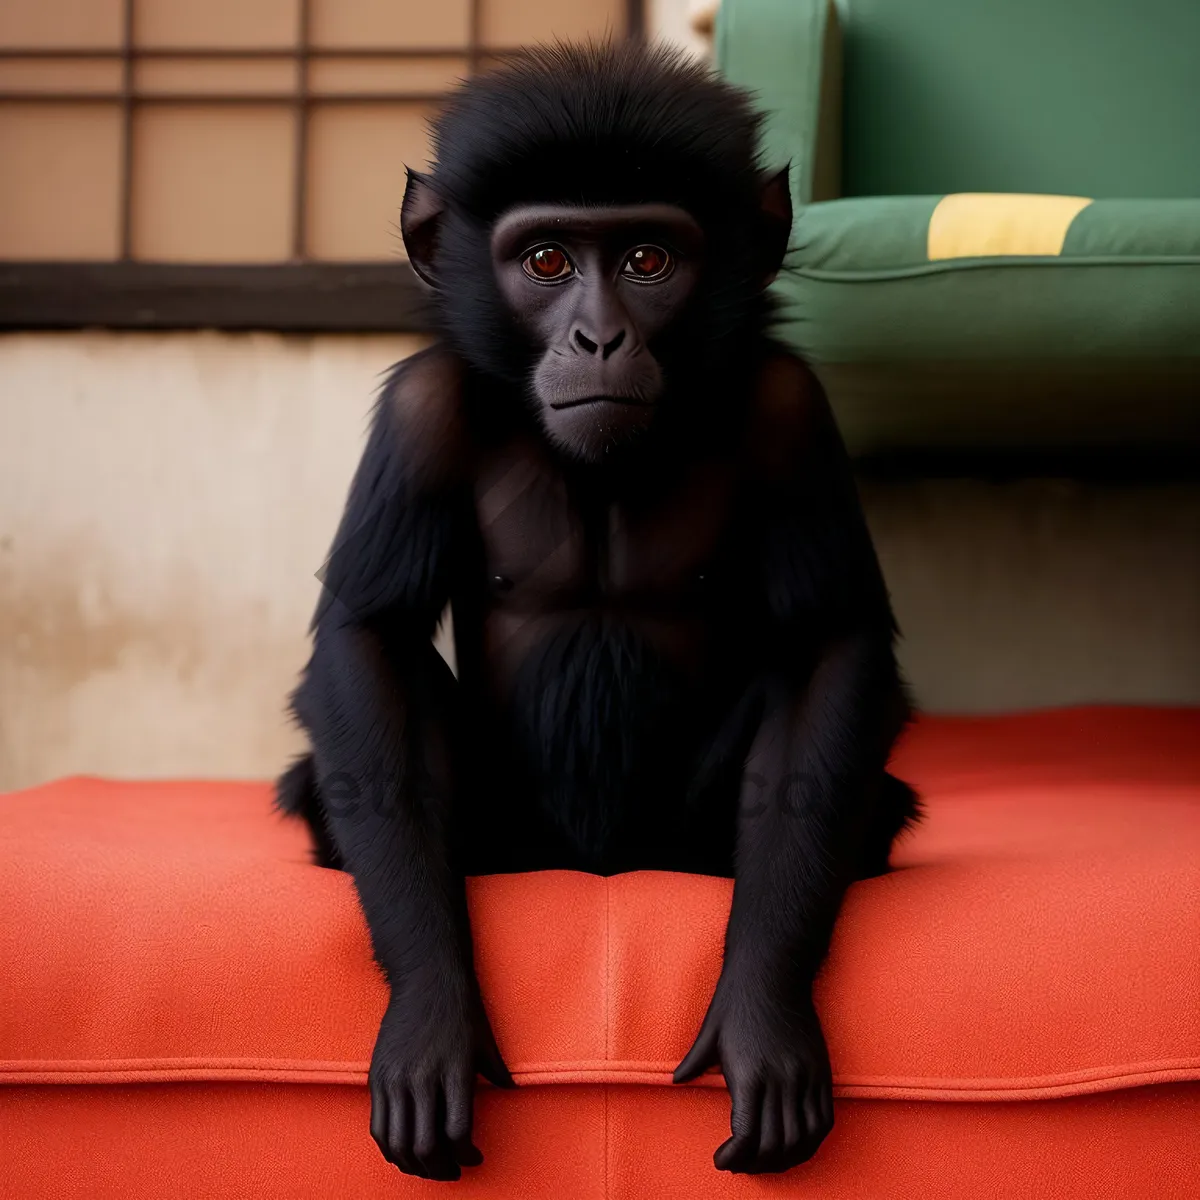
(292, 298)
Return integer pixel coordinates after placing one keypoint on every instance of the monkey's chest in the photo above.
(612, 651)
(559, 558)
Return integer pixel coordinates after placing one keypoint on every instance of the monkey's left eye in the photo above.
(547, 264)
(647, 264)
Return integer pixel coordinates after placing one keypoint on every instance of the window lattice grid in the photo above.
(116, 118)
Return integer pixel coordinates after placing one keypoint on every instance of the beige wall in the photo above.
(672, 21)
(164, 504)
(165, 501)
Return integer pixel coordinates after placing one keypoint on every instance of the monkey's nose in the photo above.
(588, 346)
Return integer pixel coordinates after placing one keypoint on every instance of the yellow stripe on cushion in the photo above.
(983, 224)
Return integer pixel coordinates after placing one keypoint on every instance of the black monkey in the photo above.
(674, 643)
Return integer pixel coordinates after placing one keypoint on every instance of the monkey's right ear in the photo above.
(420, 222)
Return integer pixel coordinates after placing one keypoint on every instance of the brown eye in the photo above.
(647, 264)
(547, 263)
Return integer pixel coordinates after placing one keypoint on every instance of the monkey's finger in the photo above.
(745, 1123)
(399, 1128)
(770, 1133)
(389, 1128)
(458, 1090)
(827, 1103)
(818, 1110)
(794, 1124)
(736, 1154)
(703, 1054)
(427, 1147)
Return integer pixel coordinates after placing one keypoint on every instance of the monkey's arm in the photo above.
(813, 783)
(377, 702)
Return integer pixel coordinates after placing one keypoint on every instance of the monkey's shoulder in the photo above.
(789, 416)
(423, 415)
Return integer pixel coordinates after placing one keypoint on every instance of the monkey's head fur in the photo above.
(599, 233)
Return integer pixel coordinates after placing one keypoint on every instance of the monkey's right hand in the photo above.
(433, 1039)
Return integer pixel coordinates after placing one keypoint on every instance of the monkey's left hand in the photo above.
(776, 1066)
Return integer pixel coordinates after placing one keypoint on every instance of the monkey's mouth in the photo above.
(632, 401)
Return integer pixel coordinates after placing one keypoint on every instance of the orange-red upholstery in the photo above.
(187, 1006)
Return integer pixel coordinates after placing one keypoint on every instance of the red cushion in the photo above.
(1040, 936)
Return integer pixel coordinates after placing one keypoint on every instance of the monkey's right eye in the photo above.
(547, 264)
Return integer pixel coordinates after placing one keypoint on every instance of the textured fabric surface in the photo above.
(888, 235)
(789, 54)
(220, 1141)
(1034, 941)
(1084, 97)
(169, 945)
(923, 339)
(1087, 97)
(884, 280)
(973, 224)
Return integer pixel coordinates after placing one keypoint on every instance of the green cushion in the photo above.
(1098, 343)
(788, 52)
(1085, 97)
(891, 233)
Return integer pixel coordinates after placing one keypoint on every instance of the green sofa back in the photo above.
(1095, 98)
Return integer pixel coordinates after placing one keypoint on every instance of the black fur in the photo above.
(759, 749)
(297, 793)
(600, 125)
(590, 704)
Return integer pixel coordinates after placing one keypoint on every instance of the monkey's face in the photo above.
(598, 293)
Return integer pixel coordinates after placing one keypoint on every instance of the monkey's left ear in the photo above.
(775, 200)
(420, 221)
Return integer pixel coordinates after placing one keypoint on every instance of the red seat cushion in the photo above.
(1040, 937)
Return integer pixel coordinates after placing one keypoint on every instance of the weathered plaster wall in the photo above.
(165, 502)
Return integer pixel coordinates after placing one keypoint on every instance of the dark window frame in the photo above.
(302, 295)
(369, 297)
